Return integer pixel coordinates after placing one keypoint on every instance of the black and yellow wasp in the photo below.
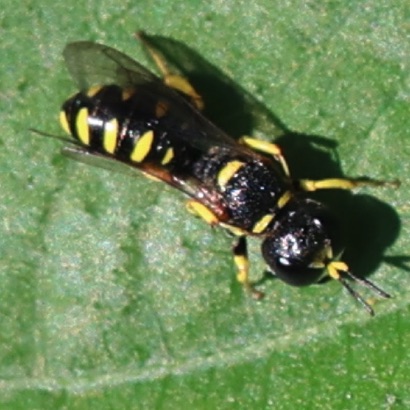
(125, 113)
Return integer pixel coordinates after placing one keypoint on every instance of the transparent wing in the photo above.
(189, 186)
(95, 64)
(75, 150)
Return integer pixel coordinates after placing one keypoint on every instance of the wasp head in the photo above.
(302, 242)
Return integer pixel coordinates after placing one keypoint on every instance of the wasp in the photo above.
(124, 113)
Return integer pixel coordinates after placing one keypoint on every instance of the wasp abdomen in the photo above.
(120, 122)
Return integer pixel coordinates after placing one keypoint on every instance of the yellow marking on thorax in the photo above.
(110, 135)
(169, 155)
(199, 209)
(81, 123)
(142, 147)
(284, 199)
(64, 122)
(161, 108)
(127, 93)
(92, 91)
(263, 223)
(228, 171)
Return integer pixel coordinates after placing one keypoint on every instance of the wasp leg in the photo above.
(241, 260)
(174, 81)
(342, 183)
(266, 148)
(199, 209)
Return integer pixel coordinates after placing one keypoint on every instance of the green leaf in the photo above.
(113, 297)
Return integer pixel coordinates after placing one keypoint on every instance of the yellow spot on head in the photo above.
(64, 122)
(142, 147)
(228, 171)
(263, 223)
(91, 92)
(321, 258)
(81, 123)
(110, 135)
(169, 155)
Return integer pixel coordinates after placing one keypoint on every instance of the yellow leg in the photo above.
(241, 261)
(199, 209)
(342, 183)
(174, 81)
(266, 148)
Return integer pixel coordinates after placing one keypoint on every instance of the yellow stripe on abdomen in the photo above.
(142, 147)
(64, 122)
(169, 155)
(81, 124)
(110, 135)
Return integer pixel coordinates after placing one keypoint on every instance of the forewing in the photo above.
(93, 64)
(190, 186)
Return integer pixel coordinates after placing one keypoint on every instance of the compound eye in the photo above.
(293, 271)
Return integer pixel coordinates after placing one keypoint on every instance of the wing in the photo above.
(93, 64)
(189, 186)
(75, 150)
